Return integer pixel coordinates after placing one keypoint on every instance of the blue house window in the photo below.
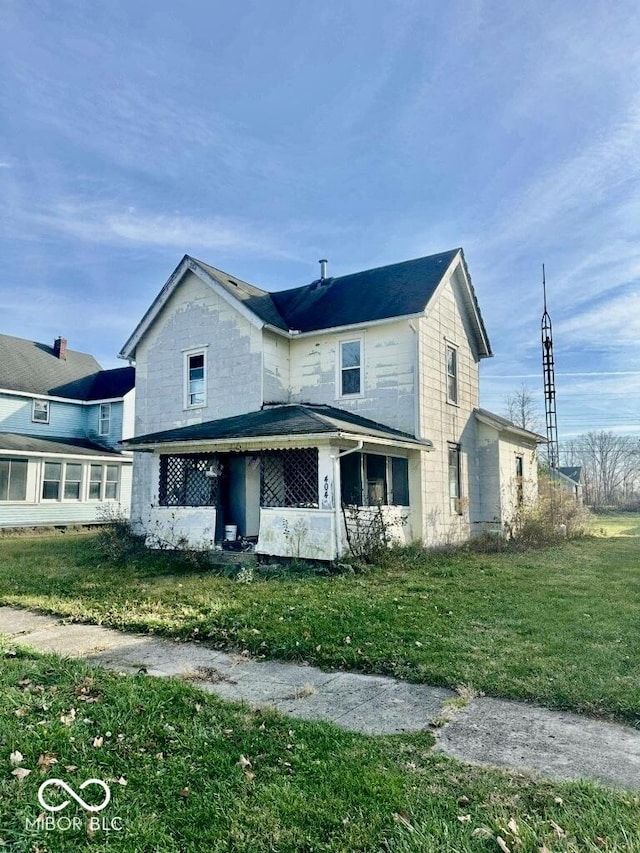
(105, 419)
(40, 412)
(13, 479)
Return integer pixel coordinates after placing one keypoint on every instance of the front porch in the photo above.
(285, 491)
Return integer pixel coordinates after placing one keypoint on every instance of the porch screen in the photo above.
(190, 480)
(289, 478)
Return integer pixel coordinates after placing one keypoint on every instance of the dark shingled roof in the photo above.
(34, 444)
(110, 384)
(377, 294)
(256, 300)
(33, 368)
(573, 472)
(290, 419)
(392, 291)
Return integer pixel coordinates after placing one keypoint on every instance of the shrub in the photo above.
(556, 516)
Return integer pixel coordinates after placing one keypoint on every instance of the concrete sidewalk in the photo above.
(487, 731)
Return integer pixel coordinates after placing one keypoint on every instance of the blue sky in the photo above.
(261, 136)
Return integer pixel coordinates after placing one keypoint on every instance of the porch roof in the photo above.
(291, 420)
(13, 442)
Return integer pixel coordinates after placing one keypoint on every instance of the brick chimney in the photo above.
(60, 348)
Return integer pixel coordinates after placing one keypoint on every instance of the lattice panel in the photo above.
(190, 480)
(289, 478)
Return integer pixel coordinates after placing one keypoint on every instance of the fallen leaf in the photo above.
(185, 792)
(347, 640)
(70, 767)
(89, 828)
(559, 831)
(403, 818)
(558, 800)
(20, 773)
(97, 742)
(46, 760)
(544, 849)
(502, 844)
(482, 832)
(16, 758)
(418, 644)
(463, 801)
(464, 818)
(10, 653)
(69, 718)
(513, 828)
(21, 712)
(244, 762)
(122, 781)
(249, 775)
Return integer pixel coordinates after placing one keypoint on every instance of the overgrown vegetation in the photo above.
(189, 773)
(556, 625)
(555, 516)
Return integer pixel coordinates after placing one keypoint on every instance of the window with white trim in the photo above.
(95, 482)
(452, 374)
(13, 479)
(519, 480)
(195, 379)
(455, 479)
(350, 368)
(40, 412)
(105, 419)
(52, 482)
(111, 482)
(72, 481)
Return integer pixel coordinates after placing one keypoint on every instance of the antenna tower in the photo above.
(549, 382)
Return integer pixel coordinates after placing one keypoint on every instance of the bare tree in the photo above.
(610, 467)
(522, 410)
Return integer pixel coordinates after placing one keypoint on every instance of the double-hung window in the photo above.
(104, 482)
(519, 480)
(452, 374)
(195, 379)
(455, 484)
(40, 412)
(52, 482)
(105, 419)
(13, 479)
(72, 481)
(350, 379)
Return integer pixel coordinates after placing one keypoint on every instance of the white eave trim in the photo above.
(86, 457)
(266, 442)
(365, 324)
(532, 437)
(187, 264)
(55, 399)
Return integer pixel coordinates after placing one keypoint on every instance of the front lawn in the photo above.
(558, 626)
(189, 773)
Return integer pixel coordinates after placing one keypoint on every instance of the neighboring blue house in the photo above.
(61, 418)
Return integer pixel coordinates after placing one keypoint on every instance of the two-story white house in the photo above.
(61, 420)
(272, 411)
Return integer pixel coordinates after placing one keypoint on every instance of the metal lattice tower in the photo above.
(549, 382)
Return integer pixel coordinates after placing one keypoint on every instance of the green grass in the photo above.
(172, 757)
(557, 626)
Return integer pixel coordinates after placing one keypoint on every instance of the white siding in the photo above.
(445, 324)
(195, 316)
(388, 387)
(276, 377)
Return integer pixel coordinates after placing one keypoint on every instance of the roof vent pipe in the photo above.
(323, 269)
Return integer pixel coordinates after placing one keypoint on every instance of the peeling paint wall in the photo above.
(195, 316)
(182, 527)
(388, 392)
(276, 368)
(305, 533)
(442, 422)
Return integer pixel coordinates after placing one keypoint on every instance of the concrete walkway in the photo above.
(487, 731)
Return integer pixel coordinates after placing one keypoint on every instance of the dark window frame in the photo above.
(357, 467)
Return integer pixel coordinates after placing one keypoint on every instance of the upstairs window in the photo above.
(350, 368)
(40, 412)
(452, 374)
(195, 380)
(13, 479)
(105, 419)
